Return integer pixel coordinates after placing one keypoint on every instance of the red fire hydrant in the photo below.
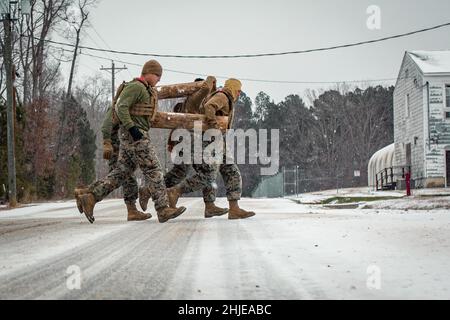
(408, 184)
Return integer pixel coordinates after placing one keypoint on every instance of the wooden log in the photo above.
(179, 90)
(170, 120)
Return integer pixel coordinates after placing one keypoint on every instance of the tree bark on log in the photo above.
(179, 90)
(170, 120)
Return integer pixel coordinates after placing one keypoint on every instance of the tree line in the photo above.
(330, 137)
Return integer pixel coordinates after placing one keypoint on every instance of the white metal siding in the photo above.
(406, 128)
(439, 129)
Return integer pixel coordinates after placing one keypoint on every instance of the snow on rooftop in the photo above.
(432, 61)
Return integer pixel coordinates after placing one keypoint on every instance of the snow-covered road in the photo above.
(288, 251)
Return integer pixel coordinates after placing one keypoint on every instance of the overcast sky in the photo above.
(244, 27)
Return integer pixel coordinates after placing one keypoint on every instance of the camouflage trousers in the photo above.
(129, 185)
(231, 176)
(176, 175)
(131, 156)
(232, 180)
(204, 173)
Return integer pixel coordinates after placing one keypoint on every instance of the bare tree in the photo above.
(94, 94)
(77, 18)
(33, 46)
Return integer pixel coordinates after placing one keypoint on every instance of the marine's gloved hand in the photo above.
(107, 149)
(136, 133)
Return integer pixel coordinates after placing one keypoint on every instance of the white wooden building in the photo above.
(422, 117)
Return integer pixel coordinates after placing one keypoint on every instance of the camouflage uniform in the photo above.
(221, 104)
(230, 175)
(111, 132)
(232, 179)
(135, 153)
(177, 174)
(204, 173)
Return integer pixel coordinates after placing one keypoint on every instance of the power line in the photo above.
(248, 79)
(100, 37)
(103, 40)
(255, 55)
(95, 42)
(62, 50)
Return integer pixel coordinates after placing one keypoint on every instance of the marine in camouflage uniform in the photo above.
(111, 146)
(204, 174)
(134, 108)
(110, 133)
(219, 103)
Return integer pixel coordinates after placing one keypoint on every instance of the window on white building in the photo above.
(407, 106)
(447, 102)
(447, 95)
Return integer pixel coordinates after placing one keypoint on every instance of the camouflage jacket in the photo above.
(219, 103)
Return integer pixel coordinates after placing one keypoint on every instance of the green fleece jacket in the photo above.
(135, 92)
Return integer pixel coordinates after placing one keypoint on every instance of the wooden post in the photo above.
(171, 120)
(178, 90)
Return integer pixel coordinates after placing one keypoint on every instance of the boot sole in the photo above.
(91, 219)
(240, 218)
(209, 216)
(163, 220)
(138, 219)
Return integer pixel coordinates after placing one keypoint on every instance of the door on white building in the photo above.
(447, 161)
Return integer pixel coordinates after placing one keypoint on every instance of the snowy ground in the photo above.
(288, 251)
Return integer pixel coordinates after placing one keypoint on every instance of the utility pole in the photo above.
(12, 188)
(8, 14)
(113, 71)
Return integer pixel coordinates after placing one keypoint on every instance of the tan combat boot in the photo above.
(238, 213)
(167, 213)
(135, 215)
(78, 192)
(144, 197)
(212, 211)
(173, 194)
(88, 203)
